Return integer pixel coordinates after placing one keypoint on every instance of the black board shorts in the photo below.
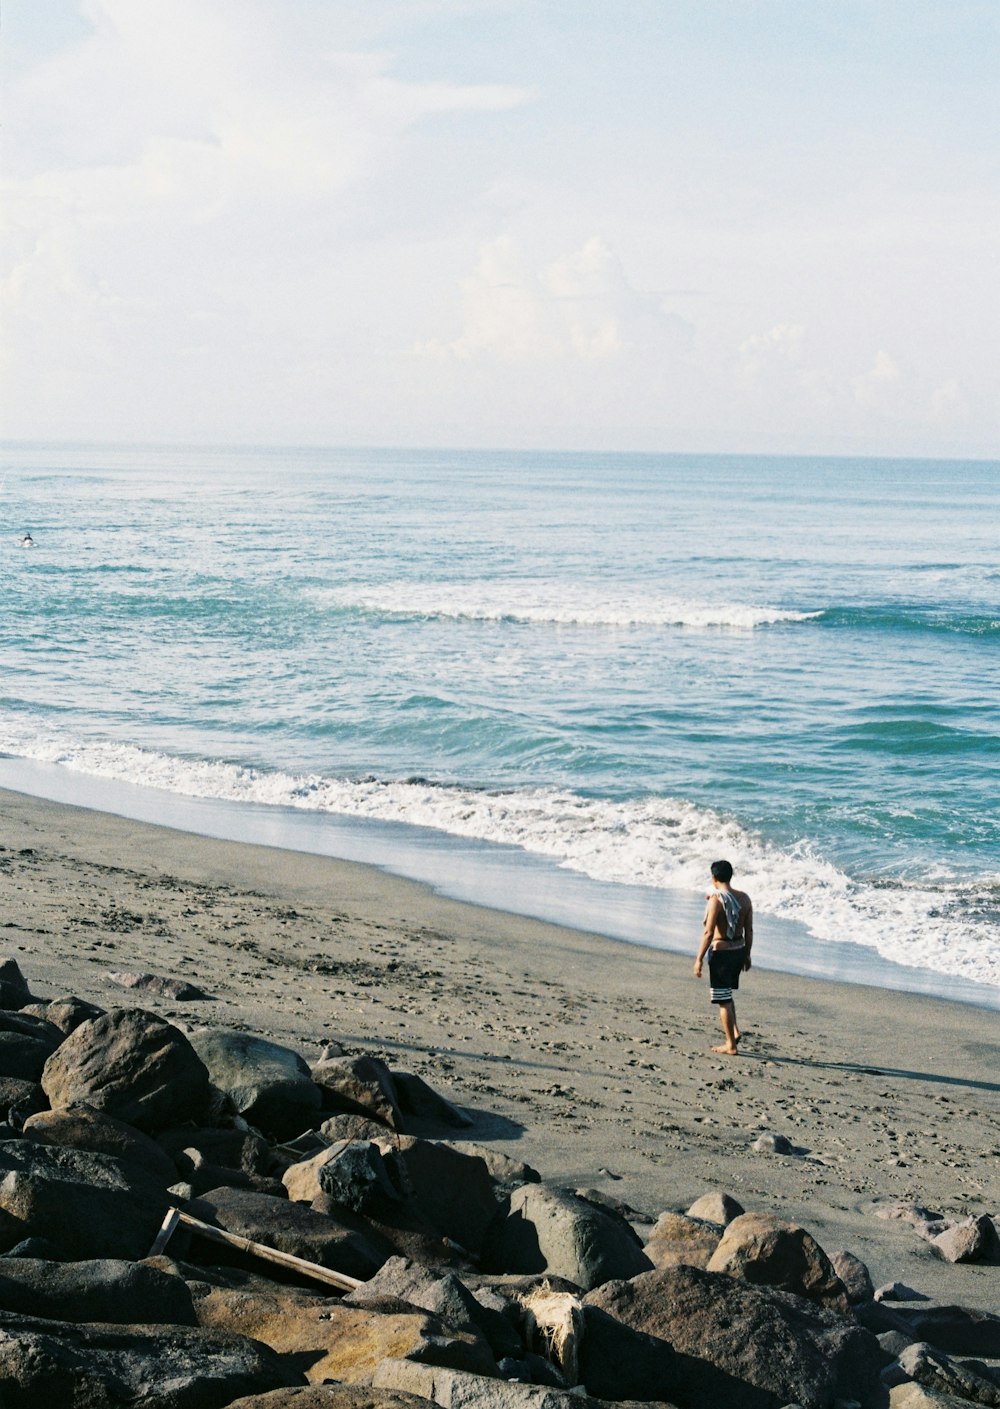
(724, 969)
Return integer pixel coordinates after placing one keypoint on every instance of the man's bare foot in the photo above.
(728, 1051)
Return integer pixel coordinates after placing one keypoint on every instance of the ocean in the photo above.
(563, 683)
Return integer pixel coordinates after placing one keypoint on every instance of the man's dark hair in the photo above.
(722, 871)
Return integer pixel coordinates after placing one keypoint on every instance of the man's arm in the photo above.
(748, 934)
(708, 932)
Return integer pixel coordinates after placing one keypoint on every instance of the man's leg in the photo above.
(727, 1016)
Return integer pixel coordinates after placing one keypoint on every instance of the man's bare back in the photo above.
(727, 938)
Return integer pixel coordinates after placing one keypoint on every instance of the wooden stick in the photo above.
(170, 1221)
(247, 1245)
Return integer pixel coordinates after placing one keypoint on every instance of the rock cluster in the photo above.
(195, 1220)
(969, 1239)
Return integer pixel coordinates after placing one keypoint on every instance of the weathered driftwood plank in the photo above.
(287, 1260)
(170, 1222)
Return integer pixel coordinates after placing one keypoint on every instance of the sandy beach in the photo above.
(587, 1057)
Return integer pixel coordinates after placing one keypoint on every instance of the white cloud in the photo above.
(579, 306)
(240, 218)
(204, 88)
(780, 345)
(881, 384)
(192, 185)
(948, 405)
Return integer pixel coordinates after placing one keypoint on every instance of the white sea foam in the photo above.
(660, 842)
(539, 603)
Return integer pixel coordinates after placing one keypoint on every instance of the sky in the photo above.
(769, 226)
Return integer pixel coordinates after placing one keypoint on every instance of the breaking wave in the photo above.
(548, 604)
(944, 924)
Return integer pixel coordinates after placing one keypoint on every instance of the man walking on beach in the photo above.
(727, 937)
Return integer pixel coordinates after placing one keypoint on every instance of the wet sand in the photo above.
(588, 1057)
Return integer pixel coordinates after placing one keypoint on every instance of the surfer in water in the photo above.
(727, 936)
(27, 541)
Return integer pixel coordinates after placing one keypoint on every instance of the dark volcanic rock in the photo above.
(453, 1190)
(771, 1144)
(618, 1362)
(332, 1340)
(26, 1043)
(301, 1179)
(347, 1126)
(914, 1214)
(132, 1065)
(66, 1366)
(552, 1230)
(433, 1188)
(331, 1396)
(937, 1371)
(80, 1127)
(244, 1150)
(357, 1176)
(401, 1279)
(747, 1347)
(769, 1252)
(464, 1391)
(404, 1230)
(202, 1175)
(343, 1244)
(716, 1207)
(958, 1330)
(22, 1056)
(854, 1275)
(65, 1013)
(88, 1205)
(269, 1085)
(14, 991)
(118, 1292)
(678, 1240)
(359, 1085)
(32, 1026)
(507, 1173)
(971, 1240)
(22, 1097)
(35, 1249)
(176, 988)
(416, 1098)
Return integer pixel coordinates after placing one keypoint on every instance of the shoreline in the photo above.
(487, 874)
(587, 1056)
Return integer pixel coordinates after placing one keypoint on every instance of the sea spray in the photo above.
(944, 924)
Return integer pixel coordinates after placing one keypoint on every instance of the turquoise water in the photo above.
(626, 665)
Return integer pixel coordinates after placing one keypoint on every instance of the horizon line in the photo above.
(17, 442)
